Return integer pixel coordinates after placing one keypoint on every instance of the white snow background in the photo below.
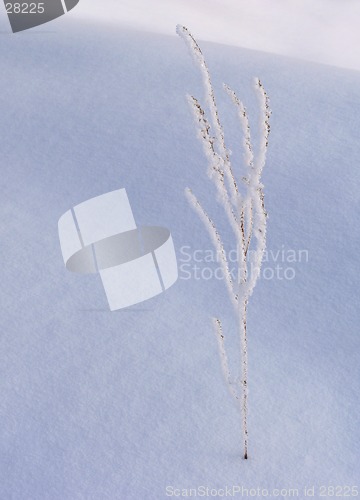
(325, 31)
(100, 405)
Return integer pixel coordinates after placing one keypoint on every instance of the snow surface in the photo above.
(101, 405)
(324, 31)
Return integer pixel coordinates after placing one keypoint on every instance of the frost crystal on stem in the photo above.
(246, 212)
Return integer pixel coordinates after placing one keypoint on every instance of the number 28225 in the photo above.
(25, 8)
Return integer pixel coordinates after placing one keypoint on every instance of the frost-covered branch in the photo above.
(246, 213)
(215, 170)
(217, 242)
(256, 193)
(219, 143)
(265, 125)
(244, 122)
(224, 360)
(248, 159)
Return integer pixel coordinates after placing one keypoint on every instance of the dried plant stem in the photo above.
(244, 375)
(246, 214)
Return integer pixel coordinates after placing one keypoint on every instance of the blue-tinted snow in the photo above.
(102, 405)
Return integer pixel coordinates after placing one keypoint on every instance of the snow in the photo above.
(102, 405)
(324, 31)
